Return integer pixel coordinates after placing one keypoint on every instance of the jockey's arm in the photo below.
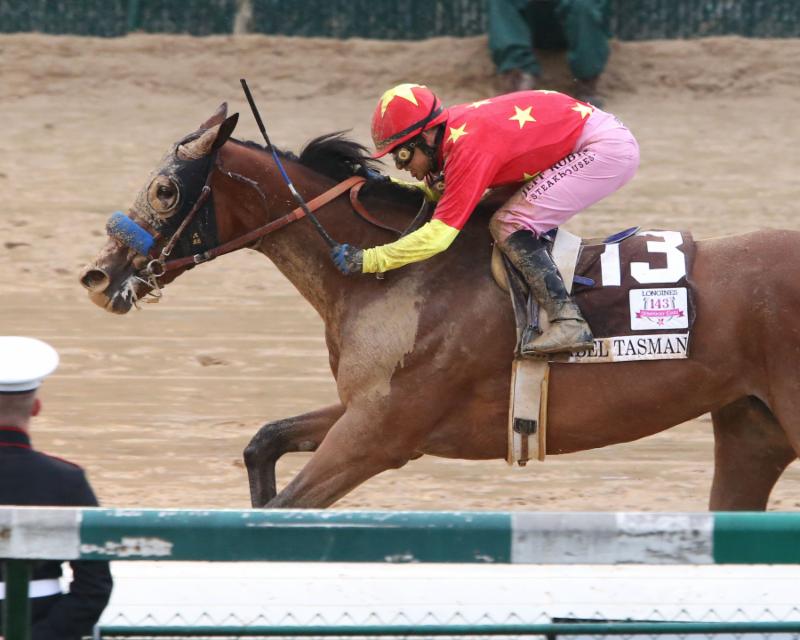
(466, 179)
(431, 238)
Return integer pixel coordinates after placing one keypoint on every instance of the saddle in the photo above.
(634, 289)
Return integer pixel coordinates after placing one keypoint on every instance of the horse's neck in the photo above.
(297, 249)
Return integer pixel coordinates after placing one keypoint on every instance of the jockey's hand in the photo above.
(347, 258)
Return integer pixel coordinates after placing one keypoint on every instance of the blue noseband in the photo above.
(129, 233)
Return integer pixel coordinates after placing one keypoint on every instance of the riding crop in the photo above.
(298, 198)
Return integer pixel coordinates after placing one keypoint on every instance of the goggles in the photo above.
(403, 154)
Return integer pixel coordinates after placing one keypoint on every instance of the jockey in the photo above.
(565, 155)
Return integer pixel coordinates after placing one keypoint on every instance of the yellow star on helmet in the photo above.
(527, 177)
(545, 91)
(480, 103)
(583, 109)
(456, 133)
(400, 91)
(522, 116)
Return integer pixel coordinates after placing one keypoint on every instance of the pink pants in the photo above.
(605, 157)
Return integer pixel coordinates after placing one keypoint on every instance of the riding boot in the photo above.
(568, 329)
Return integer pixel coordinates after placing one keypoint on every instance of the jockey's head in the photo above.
(402, 116)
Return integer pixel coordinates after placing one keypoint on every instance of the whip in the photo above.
(298, 198)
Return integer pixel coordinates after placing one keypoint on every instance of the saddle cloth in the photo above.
(637, 296)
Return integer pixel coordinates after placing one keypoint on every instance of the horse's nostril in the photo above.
(95, 279)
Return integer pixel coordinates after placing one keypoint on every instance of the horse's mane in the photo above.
(338, 157)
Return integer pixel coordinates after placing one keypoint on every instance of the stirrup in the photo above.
(551, 342)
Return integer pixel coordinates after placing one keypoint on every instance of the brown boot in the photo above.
(586, 91)
(517, 80)
(568, 330)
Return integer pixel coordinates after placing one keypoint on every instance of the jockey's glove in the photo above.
(347, 258)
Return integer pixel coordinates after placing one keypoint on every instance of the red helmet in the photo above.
(403, 112)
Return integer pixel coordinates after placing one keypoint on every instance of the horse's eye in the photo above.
(163, 195)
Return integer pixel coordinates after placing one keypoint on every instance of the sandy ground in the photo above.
(158, 405)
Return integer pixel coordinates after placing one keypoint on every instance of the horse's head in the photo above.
(172, 217)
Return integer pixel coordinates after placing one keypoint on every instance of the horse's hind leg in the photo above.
(751, 452)
(300, 433)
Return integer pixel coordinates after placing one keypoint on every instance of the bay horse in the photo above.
(422, 358)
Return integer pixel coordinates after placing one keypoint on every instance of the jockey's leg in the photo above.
(606, 156)
(568, 329)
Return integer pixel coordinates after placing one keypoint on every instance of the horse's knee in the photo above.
(265, 444)
(250, 455)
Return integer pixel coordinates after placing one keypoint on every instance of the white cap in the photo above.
(24, 363)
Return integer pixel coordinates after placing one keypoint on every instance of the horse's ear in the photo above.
(225, 131)
(209, 140)
(219, 115)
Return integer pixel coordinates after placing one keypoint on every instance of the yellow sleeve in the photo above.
(431, 238)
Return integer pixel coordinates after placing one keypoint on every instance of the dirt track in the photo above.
(157, 405)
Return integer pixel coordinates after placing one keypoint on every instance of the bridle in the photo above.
(123, 228)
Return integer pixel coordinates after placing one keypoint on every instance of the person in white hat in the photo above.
(32, 478)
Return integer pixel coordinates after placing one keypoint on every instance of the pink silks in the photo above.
(606, 157)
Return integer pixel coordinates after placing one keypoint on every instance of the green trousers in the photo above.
(579, 26)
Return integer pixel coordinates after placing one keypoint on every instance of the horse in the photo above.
(422, 357)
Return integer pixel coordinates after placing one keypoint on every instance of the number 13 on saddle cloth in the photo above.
(637, 296)
(635, 290)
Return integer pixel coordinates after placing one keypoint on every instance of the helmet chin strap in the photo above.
(432, 151)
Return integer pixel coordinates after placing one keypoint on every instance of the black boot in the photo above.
(568, 329)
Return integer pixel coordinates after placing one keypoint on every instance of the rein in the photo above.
(131, 234)
(248, 238)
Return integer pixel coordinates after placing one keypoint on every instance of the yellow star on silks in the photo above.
(527, 177)
(480, 103)
(583, 109)
(523, 116)
(400, 91)
(456, 133)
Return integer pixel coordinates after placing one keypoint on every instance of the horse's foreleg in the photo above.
(751, 451)
(300, 433)
(359, 446)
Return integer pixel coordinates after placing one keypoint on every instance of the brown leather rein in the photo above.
(159, 266)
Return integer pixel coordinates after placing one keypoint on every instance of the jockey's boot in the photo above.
(568, 330)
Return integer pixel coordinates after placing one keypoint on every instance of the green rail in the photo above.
(30, 534)
(399, 536)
